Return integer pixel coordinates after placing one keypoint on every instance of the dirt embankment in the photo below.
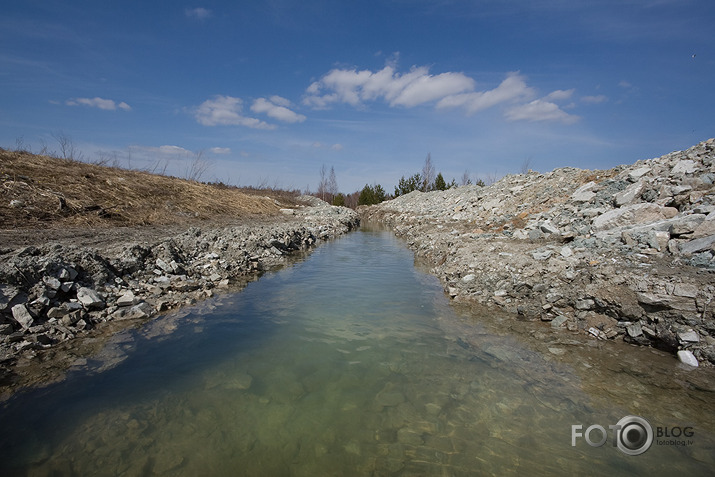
(86, 251)
(626, 253)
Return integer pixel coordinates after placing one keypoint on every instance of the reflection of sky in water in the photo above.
(350, 362)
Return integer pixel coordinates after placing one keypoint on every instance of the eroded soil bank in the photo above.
(622, 254)
(63, 294)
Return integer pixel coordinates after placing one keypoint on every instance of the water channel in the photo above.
(353, 362)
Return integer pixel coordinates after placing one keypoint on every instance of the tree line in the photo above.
(425, 181)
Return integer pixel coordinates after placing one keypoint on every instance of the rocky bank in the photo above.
(62, 291)
(619, 254)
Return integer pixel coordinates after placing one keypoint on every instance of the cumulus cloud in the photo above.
(446, 90)
(198, 13)
(398, 89)
(227, 111)
(512, 88)
(540, 110)
(277, 107)
(97, 102)
(594, 99)
(220, 150)
(559, 95)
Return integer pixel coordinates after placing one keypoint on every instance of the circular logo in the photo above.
(634, 436)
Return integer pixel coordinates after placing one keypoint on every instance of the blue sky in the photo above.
(271, 90)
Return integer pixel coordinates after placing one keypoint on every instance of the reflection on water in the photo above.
(350, 363)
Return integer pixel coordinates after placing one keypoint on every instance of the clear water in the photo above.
(351, 362)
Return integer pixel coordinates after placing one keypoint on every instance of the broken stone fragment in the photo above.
(141, 310)
(697, 245)
(631, 215)
(22, 315)
(89, 298)
(689, 336)
(634, 330)
(687, 357)
(52, 283)
(636, 174)
(127, 299)
(629, 195)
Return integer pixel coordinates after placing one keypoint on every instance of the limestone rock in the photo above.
(687, 357)
(22, 315)
(632, 215)
(90, 299)
(698, 245)
(629, 195)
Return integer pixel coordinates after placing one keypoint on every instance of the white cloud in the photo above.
(227, 111)
(398, 89)
(198, 13)
(220, 150)
(97, 102)
(559, 95)
(277, 108)
(337, 147)
(625, 84)
(594, 99)
(540, 110)
(173, 150)
(512, 88)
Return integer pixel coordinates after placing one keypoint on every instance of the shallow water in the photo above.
(352, 362)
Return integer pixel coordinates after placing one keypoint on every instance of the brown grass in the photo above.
(47, 191)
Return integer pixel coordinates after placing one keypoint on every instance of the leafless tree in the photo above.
(67, 147)
(323, 184)
(198, 166)
(332, 185)
(465, 178)
(428, 173)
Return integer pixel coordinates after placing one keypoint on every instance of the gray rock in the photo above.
(566, 251)
(89, 298)
(585, 304)
(634, 330)
(698, 245)
(558, 321)
(632, 215)
(126, 299)
(629, 195)
(67, 274)
(548, 228)
(682, 289)
(689, 336)
(52, 283)
(636, 174)
(584, 193)
(687, 357)
(685, 166)
(542, 254)
(7, 294)
(22, 315)
(164, 266)
(138, 311)
(686, 225)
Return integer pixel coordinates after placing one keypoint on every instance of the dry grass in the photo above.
(49, 192)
